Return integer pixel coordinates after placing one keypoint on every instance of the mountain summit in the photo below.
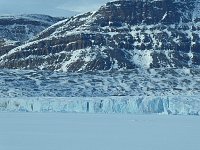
(123, 34)
(16, 30)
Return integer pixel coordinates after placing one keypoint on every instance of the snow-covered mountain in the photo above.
(15, 30)
(120, 35)
(136, 56)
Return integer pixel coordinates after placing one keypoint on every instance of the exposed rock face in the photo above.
(120, 35)
(15, 30)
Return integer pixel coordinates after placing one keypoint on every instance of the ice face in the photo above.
(133, 91)
(177, 105)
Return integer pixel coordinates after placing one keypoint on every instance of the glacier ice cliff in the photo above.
(162, 91)
(176, 105)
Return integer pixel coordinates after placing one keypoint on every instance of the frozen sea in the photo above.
(66, 131)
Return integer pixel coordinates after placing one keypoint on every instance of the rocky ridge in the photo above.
(16, 30)
(123, 34)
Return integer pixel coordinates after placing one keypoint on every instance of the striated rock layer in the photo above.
(120, 35)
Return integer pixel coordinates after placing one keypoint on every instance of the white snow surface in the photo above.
(47, 131)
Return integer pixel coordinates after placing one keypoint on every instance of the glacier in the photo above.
(151, 91)
(136, 82)
(175, 105)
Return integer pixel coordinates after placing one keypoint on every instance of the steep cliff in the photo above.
(120, 35)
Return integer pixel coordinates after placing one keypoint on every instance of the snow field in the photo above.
(61, 131)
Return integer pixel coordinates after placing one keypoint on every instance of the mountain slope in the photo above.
(15, 30)
(120, 35)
